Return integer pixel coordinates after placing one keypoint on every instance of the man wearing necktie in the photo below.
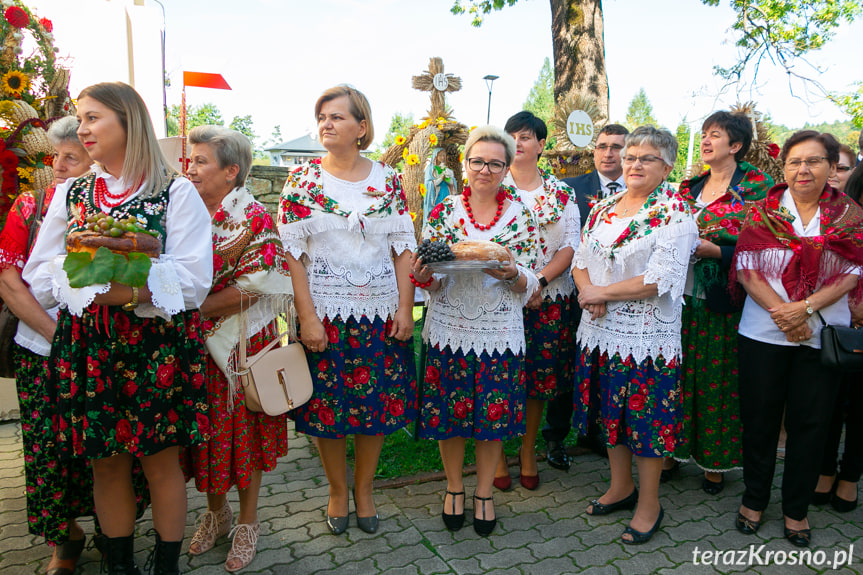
(605, 180)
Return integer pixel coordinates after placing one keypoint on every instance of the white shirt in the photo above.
(603, 184)
(756, 323)
(180, 278)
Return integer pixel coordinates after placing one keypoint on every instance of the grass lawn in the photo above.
(404, 455)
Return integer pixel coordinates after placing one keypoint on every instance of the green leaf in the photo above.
(83, 271)
(133, 271)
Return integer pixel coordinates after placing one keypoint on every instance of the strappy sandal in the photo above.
(244, 545)
(211, 526)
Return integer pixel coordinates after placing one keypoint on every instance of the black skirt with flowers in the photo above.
(125, 384)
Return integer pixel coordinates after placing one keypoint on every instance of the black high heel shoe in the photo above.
(640, 537)
(483, 526)
(367, 524)
(453, 521)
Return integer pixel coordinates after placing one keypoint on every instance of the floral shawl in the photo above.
(13, 240)
(247, 255)
(769, 227)
(518, 235)
(663, 207)
(721, 221)
(303, 203)
(549, 205)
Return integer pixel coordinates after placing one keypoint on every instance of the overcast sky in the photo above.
(278, 55)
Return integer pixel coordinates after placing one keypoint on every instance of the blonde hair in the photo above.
(231, 147)
(144, 160)
(491, 134)
(359, 108)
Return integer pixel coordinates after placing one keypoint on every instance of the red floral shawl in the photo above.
(769, 226)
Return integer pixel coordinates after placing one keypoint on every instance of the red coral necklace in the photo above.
(501, 197)
(106, 197)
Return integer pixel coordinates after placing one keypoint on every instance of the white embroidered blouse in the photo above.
(349, 260)
(472, 311)
(648, 327)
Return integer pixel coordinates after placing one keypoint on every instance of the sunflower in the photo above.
(412, 160)
(432, 139)
(14, 83)
(422, 190)
(400, 140)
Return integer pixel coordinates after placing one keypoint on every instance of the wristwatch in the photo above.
(134, 303)
(809, 310)
(542, 281)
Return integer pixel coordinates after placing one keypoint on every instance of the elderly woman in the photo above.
(127, 361)
(348, 240)
(720, 198)
(798, 257)
(630, 270)
(56, 494)
(474, 379)
(249, 277)
(846, 163)
(550, 353)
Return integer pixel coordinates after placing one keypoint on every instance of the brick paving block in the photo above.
(320, 545)
(12, 528)
(643, 562)
(311, 489)
(682, 554)
(505, 558)
(559, 566)
(516, 539)
(568, 510)
(691, 531)
(14, 504)
(314, 563)
(529, 505)
(281, 498)
(464, 548)
(363, 546)
(598, 555)
(364, 567)
(22, 569)
(602, 533)
(433, 566)
(403, 537)
(469, 566)
(402, 556)
(15, 543)
(556, 547)
(601, 570)
(677, 515)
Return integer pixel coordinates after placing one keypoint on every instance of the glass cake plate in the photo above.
(456, 266)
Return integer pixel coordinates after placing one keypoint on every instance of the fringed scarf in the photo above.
(768, 226)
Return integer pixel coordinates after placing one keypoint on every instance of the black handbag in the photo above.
(841, 346)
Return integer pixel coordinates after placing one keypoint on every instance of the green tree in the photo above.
(204, 115)
(276, 137)
(244, 125)
(678, 174)
(640, 111)
(400, 125)
(540, 100)
(781, 31)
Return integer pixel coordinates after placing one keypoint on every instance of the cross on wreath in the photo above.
(435, 81)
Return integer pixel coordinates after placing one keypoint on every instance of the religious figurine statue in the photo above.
(439, 180)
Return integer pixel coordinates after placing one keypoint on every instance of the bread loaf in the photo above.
(478, 250)
(89, 241)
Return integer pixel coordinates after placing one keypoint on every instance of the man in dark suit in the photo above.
(605, 180)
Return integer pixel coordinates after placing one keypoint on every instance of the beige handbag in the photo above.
(276, 379)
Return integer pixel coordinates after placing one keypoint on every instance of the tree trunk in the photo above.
(579, 50)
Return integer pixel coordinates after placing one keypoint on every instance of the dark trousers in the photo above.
(847, 410)
(773, 379)
(558, 417)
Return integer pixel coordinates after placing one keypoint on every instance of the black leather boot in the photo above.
(120, 556)
(165, 557)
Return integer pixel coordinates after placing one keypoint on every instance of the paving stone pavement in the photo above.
(540, 532)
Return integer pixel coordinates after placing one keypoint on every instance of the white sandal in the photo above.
(244, 545)
(211, 526)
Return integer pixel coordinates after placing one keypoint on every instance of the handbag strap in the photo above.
(37, 218)
(243, 358)
(823, 323)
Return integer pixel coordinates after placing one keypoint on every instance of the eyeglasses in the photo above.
(794, 163)
(494, 166)
(612, 147)
(843, 168)
(645, 160)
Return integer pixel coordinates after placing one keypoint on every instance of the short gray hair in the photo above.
(491, 134)
(231, 147)
(64, 130)
(660, 139)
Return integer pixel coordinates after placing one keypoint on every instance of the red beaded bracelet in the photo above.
(420, 285)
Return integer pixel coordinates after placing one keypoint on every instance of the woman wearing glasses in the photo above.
(846, 163)
(798, 257)
(720, 198)
(630, 270)
(474, 379)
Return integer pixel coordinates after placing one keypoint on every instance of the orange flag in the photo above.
(205, 80)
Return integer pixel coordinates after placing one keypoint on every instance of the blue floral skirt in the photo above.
(550, 355)
(364, 382)
(469, 395)
(638, 405)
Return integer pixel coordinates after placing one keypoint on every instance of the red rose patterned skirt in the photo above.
(712, 429)
(125, 384)
(57, 491)
(469, 395)
(364, 382)
(638, 405)
(241, 441)
(550, 355)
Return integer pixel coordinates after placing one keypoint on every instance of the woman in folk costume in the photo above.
(548, 315)
(630, 270)
(250, 277)
(127, 362)
(348, 239)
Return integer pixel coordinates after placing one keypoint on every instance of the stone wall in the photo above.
(266, 183)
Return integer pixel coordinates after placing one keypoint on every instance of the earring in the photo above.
(359, 142)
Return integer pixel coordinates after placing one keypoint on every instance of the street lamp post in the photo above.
(489, 80)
